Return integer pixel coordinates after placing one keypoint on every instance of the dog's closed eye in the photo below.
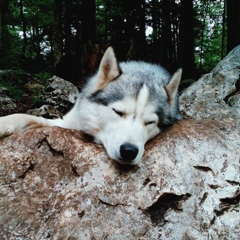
(119, 113)
(150, 122)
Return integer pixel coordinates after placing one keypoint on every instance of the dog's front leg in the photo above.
(14, 122)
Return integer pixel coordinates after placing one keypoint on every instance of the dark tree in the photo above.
(58, 32)
(4, 34)
(155, 12)
(69, 37)
(24, 28)
(141, 21)
(88, 21)
(186, 46)
(233, 24)
(67, 27)
(136, 27)
(166, 40)
(223, 48)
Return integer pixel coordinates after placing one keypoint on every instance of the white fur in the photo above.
(137, 121)
(130, 128)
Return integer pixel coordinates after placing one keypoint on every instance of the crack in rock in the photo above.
(203, 168)
(30, 168)
(54, 152)
(226, 204)
(74, 171)
(236, 92)
(205, 195)
(234, 183)
(231, 201)
(163, 204)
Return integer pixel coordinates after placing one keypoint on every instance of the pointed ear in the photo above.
(109, 69)
(172, 86)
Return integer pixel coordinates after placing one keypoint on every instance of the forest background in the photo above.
(68, 38)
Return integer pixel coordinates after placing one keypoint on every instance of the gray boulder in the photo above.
(60, 93)
(58, 97)
(55, 184)
(46, 111)
(215, 95)
(7, 104)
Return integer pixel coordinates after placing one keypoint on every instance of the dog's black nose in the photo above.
(128, 152)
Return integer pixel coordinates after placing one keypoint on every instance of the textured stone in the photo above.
(46, 111)
(216, 95)
(6, 103)
(60, 94)
(57, 184)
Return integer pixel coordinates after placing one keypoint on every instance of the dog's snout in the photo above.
(128, 152)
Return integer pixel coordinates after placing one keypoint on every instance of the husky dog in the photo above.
(122, 106)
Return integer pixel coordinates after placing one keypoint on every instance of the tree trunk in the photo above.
(37, 41)
(4, 34)
(155, 11)
(68, 46)
(24, 29)
(223, 48)
(136, 18)
(57, 33)
(186, 51)
(141, 21)
(88, 21)
(233, 24)
(166, 40)
(203, 13)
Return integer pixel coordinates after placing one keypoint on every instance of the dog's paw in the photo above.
(6, 130)
(14, 122)
(8, 125)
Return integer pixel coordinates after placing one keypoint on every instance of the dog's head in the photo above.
(125, 105)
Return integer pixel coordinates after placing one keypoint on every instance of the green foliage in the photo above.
(12, 82)
(36, 100)
(42, 76)
(39, 22)
(14, 91)
(19, 84)
(209, 31)
(117, 22)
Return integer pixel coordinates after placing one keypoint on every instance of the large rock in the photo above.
(60, 93)
(20, 91)
(58, 97)
(56, 184)
(7, 104)
(216, 95)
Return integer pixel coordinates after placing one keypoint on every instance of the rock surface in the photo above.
(22, 92)
(58, 97)
(56, 184)
(60, 93)
(216, 95)
(46, 111)
(7, 104)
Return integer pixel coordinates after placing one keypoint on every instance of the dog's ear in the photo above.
(172, 86)
(109, 69)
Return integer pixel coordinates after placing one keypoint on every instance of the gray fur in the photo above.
(122, 106)
(133, 76)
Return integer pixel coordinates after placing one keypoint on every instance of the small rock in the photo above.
(60, 94)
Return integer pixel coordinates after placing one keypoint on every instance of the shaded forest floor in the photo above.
(21, 91)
